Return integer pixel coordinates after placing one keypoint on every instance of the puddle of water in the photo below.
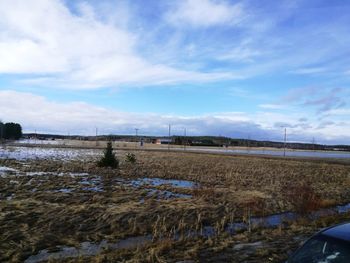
(279, 219)
(64, 190)
(95, 183)
(88, 249)
(73, 174)
(5, 171)
(154, 192)
(279, 152)
(247, 245)
(14, 182)
(58, 174)
(343, 208)
(92, 184)
(161, 194)
(207, 231)
(159, 182)
(10, 197)
(93, 189)
(166, 194)
(39, 173)
(43, 173)
(267, 221)
(90, 181)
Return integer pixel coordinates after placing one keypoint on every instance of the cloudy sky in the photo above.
(217, 67)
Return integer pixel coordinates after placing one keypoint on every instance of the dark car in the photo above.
(331, 245)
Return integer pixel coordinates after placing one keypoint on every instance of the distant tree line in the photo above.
(224, 141)
(10, 131)
(215, 141)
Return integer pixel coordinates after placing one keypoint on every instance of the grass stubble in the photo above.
(36, 214)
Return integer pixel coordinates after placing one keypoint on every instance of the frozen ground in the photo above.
(158, 182)
(230, 150)
(34, 141)
(94, 183)
(32, 153)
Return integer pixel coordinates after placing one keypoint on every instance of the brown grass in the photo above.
(302, 197)
(231, 188)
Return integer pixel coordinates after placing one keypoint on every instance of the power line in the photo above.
(136, 132)
(169, 137)
(96, 130)
(285, 141)
(185, 139)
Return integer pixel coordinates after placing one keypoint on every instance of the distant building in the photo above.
(162, 141)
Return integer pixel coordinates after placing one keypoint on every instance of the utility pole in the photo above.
(2, 131)
(248, 143)
(136, 131)
(185, 141)
(285, 141)
(169, 137)
(264, 144)
(96, 136)
(313, 143)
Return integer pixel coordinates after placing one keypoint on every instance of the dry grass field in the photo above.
(166, 207)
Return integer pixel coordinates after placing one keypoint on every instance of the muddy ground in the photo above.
(176, 206)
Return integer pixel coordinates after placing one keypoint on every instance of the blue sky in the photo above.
(217, 67)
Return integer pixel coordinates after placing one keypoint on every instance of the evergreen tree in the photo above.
(11, 131)
(109, 159)
(1, 131)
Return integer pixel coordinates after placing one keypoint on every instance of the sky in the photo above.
(242, 69)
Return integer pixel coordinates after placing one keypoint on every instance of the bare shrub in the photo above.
(130, 158)
(302, 197)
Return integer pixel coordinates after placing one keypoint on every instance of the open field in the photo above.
(166, 207)
(231, 150)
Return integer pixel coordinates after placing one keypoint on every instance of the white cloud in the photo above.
(241, 55)
(271, 106)
(242, 52)
(204, 13)
(45, 38)
(307, 71)
(87, 49)
(37, 113)
(339, 112)
(302, 130)
(321, 99)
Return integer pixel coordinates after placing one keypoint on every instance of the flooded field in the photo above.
(280, 152)
(230, 150)
(56, 205)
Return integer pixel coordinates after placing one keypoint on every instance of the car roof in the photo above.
(341, 231)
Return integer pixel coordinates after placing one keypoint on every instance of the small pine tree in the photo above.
(109, 159)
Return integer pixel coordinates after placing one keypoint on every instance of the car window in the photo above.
(322, 251)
